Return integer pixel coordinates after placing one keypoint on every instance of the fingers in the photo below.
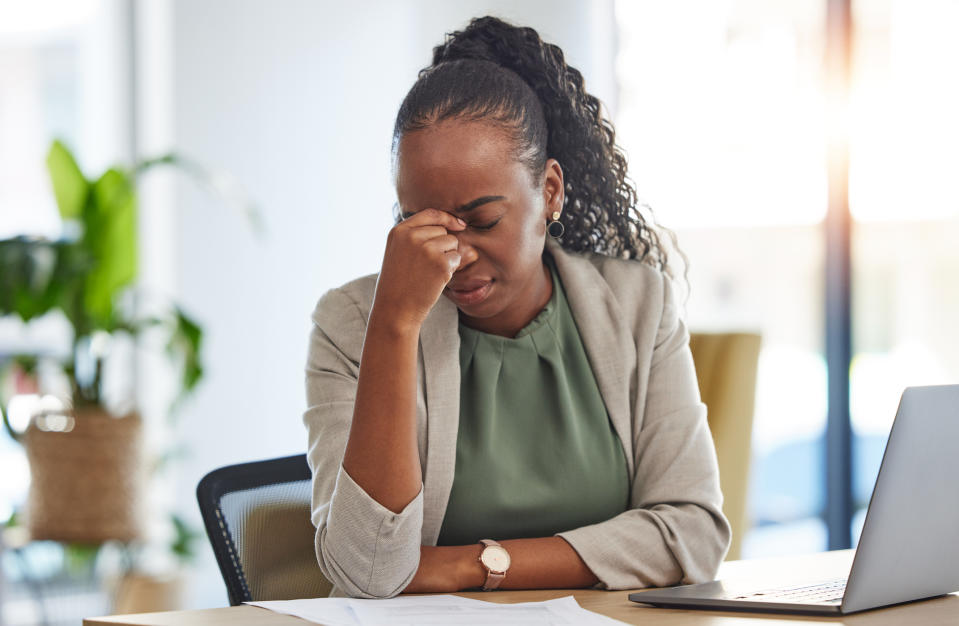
(421, 234)
(433, 217)
(442, 245)
(434, 232)
(453, 261)
(444, 250)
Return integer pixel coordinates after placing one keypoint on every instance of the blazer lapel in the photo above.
(440, 347)
(608, 342)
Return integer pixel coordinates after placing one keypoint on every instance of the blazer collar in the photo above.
(607, 339)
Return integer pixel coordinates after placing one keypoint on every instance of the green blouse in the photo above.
(536, 453)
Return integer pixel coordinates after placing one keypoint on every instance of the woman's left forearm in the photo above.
(540, 563)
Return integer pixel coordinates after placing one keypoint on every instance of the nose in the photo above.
(468, 253)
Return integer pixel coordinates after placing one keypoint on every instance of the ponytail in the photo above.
(529, 89)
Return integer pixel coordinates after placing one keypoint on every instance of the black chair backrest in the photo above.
(257, 516)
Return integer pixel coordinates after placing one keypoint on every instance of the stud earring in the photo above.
(555, 228)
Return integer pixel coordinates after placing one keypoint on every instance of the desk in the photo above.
(615, 604)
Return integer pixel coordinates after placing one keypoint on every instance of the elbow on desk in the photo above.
(363, 548)
(702, 561)
(359, 572)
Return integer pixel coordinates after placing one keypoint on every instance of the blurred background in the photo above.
(804, 152)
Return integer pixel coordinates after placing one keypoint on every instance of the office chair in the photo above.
(257, 516)
(726, 365)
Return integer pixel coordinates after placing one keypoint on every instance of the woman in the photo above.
(517, 374)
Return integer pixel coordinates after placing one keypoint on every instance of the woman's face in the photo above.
(467, 168)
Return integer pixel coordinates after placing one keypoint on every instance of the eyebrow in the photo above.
(469, 206)
(472, 204)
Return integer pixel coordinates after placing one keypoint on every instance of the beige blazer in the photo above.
(674, 530)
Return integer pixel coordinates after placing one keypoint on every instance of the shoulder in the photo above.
(347, 304)
(638, 287)
(627, 275)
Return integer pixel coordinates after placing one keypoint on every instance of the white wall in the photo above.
(296, 99)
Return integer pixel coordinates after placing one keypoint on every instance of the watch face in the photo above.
(495, 558)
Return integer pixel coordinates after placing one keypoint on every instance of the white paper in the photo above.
(429, 610)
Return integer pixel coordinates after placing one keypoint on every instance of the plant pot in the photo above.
(144, 593)
(86, 483)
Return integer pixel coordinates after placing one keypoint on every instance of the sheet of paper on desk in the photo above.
(435, 610)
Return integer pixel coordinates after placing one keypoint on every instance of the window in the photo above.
(903, 137)
(721, 114)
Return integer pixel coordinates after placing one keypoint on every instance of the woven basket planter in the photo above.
(86, 483)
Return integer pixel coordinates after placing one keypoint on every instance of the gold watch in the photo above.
(495, 559)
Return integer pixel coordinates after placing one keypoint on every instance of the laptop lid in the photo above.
(909, 547)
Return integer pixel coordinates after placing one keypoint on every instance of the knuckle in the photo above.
(397, 233)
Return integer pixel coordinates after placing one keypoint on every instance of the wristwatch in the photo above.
(495, 559)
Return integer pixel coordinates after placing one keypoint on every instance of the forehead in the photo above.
(446, 162)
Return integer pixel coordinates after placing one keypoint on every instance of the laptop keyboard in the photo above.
(830, 592)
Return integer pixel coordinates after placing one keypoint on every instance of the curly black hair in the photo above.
(506, 75)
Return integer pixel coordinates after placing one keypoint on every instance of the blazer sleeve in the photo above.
(363, 548)
(675, 531)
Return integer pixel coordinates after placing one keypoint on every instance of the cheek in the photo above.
(515, 251)
(535, 233)
(527, 248)
(535, 240)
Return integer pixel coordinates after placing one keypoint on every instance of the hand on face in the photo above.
(422, 253)
(469, 169)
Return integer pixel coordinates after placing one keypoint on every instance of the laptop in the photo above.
(909, 547)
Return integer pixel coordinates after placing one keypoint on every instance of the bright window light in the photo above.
(904, 126)
(721, 111)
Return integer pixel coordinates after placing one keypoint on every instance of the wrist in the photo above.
(470, 571)
(392, 327)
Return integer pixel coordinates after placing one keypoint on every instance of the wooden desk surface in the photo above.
(615, 604)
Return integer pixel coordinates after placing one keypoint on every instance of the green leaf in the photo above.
(111, 238)
(186, 343)
(68, 285)
(183, 539)
(79, 558)
(70, 188)
(33, 276)
(17, 278)
(7, 426)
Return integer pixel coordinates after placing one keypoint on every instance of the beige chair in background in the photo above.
(726, 365)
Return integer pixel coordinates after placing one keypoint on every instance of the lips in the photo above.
(468, 292)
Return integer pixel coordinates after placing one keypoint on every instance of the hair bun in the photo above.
(487, 38)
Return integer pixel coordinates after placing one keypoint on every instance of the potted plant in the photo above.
(85, 456)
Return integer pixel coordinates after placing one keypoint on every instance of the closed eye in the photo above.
(486, 226)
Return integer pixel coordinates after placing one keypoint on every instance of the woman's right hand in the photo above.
(421, 256)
